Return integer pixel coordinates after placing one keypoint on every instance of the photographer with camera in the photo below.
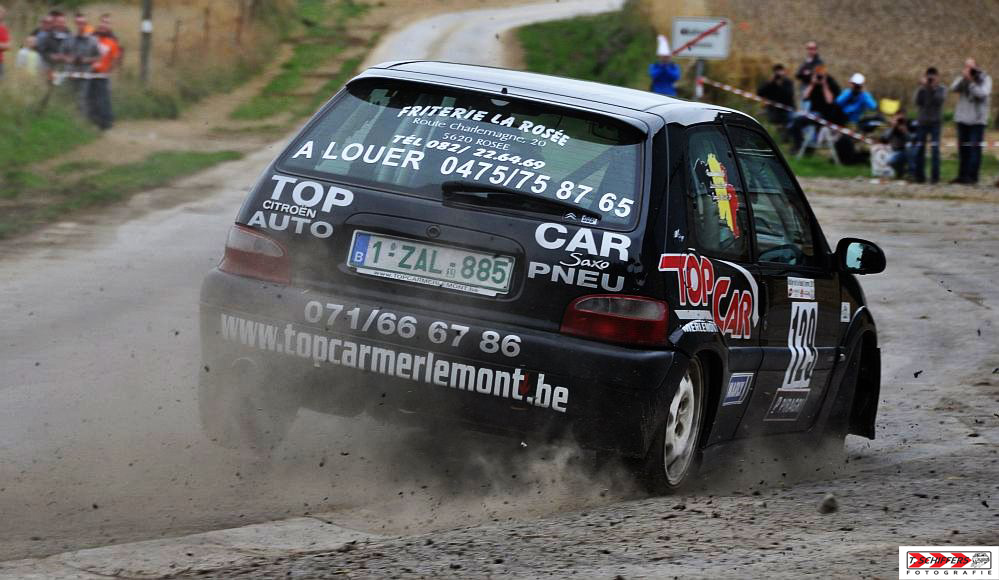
(897, 136)
(819, 98)
(973, 88)
(778, 89)
(929, 99)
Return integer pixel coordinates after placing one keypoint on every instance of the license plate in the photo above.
(430, 264)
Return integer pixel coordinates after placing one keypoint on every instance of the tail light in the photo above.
(250, 253)
(622, 319)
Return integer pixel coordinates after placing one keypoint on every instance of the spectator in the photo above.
(50, 40)
(855, 101)
(820, 96)
(43, 28)
(898, 137)
(80, 52)
(4, 37)
(778, 89)
(973, 88)
(28, 58)
(812, 60)
(99, 95)
(929, 101)
(665, 72)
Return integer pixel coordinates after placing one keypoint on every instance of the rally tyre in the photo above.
(675, 456)
(241, 408)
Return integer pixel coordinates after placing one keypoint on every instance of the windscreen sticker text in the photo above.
(733, 310)
(525, 127)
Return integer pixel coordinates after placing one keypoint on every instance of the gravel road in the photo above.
(99, 441)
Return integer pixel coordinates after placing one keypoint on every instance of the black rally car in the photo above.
(537, 256)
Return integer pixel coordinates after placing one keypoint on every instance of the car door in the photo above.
(801, 328)
(713, 271)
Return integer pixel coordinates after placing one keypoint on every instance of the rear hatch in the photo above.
(473, 203)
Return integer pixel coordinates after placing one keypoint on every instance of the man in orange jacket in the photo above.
(100, 88)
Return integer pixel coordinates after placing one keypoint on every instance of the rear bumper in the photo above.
(342, 355)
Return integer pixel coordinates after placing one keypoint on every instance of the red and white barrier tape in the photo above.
(59, 77)
(768, 102)
(816, 118)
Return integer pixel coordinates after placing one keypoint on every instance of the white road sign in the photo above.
(712, 46)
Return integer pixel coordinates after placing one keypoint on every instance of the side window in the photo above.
(783, 230)
(715, 195)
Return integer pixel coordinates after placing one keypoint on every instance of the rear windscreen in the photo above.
(411, 138)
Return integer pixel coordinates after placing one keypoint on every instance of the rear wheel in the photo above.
(675, 456)
(241, 408)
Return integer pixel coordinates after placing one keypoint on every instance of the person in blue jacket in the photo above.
(665, 72)
(855, 101)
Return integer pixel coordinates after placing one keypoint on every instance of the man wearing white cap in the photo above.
(855, 101)
(665, 72)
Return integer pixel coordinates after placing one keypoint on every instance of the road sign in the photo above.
(708, 37)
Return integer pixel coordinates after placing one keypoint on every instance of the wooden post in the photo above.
(146, 43)
(175, 41)
(239, 22)
(208, 26)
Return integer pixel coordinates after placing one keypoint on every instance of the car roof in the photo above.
(600, 96)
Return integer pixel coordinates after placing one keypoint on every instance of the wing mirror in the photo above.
(858, 256)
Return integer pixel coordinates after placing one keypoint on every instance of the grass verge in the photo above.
(44, 201)
(325, 37)
(612, 47)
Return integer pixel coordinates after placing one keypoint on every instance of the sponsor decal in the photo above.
(733, 310)
(787, 405)
(581, 277)
(714, 176)
(298, 210)
(801, 289)
(947, 562)
(552, 236)
(738, 388)
(405, 326)
(422, 367)
(844, 312)
(311, 194)
(700, 326)
(280, 222)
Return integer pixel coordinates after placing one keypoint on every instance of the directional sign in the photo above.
(707, 37)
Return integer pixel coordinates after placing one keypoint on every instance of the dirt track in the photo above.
(930, 478)
(99, 441)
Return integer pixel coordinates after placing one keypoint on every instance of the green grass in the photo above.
(820, 164)
(26, 137)
(79, 166)
(611, 48)
(325, 38)
(109, 185)
(115, 183)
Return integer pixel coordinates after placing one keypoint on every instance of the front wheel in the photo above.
(675, 456)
